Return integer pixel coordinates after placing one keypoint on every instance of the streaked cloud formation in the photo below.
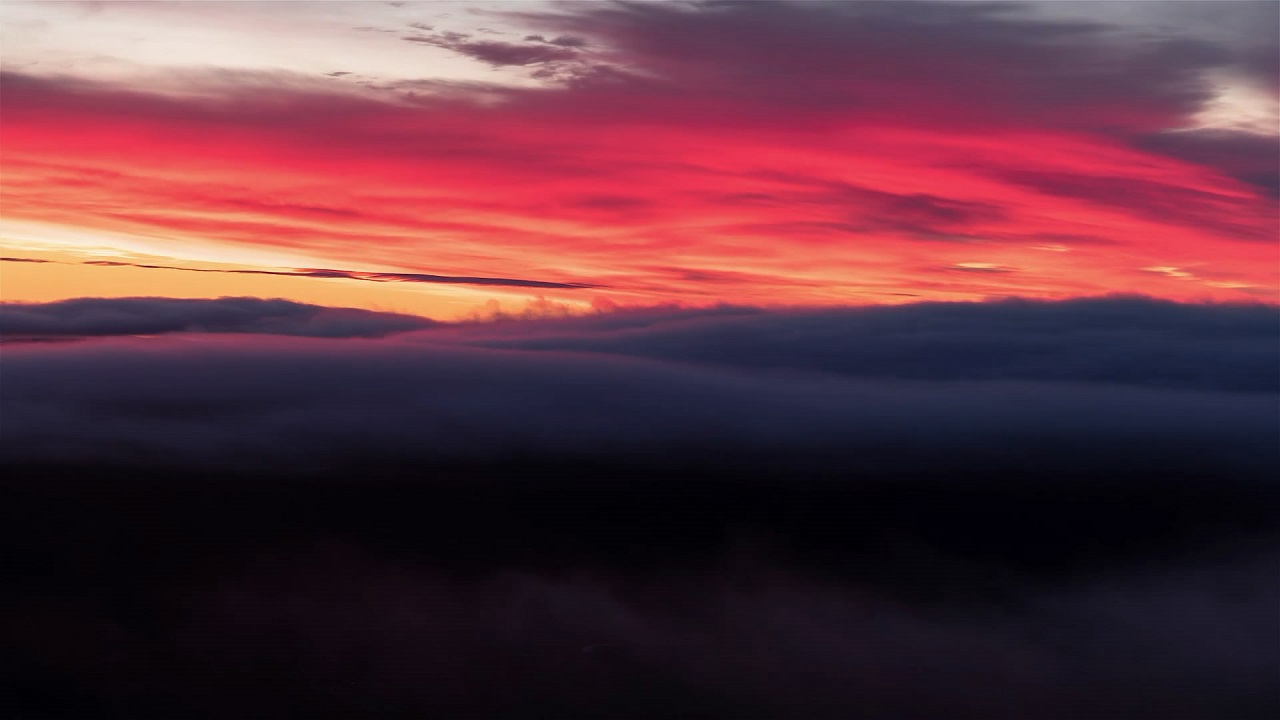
(324, 273)
(767, 152)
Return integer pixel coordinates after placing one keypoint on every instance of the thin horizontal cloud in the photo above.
(1156, 199)
(331, 274)
(979, 267)
(96, 317)
(497, 53)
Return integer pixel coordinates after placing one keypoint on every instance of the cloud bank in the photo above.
(722, 512)
(89, 317)
(1128, 340)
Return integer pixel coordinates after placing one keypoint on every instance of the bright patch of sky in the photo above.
(1240, 103)
(122, 40)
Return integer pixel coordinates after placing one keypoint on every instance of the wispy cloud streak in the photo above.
(323, 273)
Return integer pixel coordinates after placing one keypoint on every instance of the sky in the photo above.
(631, 360)
(765, 153)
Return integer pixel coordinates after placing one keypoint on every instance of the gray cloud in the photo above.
(900, 395)
(498, 53)
(1128, 340)
(984, 62)
(1246, 28)
(1113, 340)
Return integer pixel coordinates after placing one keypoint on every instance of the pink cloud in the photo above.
(845, 151)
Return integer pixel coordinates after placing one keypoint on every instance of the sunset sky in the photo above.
(595, 360)
(766, 153)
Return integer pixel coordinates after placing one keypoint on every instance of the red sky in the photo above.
(758, 153)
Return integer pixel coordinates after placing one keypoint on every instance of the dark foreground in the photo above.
(561, 593)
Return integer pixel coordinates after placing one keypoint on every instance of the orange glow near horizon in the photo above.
(52, 275)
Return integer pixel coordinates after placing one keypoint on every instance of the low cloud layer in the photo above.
(847, 398)
(725, 512)
(1113, 340)
(91, 317)
(1128, 340)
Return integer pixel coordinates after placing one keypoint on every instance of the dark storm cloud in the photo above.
(151, 316)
